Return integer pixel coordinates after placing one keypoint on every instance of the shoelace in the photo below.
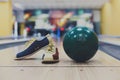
(51, 47)
(49, 50)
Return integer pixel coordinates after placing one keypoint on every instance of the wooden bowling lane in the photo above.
(100, 67)
(60, 73)
(8, 55)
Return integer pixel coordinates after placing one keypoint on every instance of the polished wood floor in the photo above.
(100, 67)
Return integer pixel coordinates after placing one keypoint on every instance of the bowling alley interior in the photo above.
(59, 39)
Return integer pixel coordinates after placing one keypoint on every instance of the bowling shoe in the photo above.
(33, 46)
(50, 57)
(51, 54)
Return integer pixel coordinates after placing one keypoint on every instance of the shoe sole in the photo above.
(50, 61)
(20, 58)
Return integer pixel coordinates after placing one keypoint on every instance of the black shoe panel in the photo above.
(35, 46)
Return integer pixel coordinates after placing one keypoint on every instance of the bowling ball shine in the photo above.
(80, 44)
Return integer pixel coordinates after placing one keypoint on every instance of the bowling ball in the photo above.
(80, 44)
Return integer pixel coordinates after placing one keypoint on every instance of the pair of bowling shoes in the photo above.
(34, 45)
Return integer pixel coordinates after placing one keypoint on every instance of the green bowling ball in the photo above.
(80, 44)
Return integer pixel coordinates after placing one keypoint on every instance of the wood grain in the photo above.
(100, 67)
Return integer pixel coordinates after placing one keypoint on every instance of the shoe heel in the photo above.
(56, 55)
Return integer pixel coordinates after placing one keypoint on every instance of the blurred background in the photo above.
(39, 17)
